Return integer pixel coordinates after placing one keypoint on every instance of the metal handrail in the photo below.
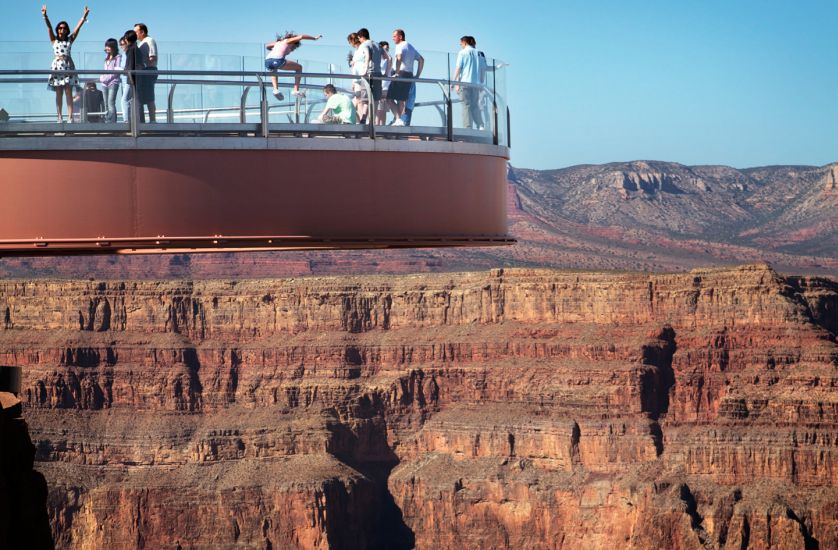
(249, 79)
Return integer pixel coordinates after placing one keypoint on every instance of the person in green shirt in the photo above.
(338, 109)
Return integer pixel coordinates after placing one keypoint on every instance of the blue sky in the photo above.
(737, 82)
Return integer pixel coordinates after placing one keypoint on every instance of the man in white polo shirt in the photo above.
(148, 46)
(406, 56)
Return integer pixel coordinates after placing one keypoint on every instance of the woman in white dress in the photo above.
(62, 42)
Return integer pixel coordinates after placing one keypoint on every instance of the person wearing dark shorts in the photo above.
(406, 56)
(371, 55)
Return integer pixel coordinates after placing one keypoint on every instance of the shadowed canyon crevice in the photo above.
(512, 408)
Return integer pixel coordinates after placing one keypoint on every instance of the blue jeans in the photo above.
(110, 102)
(126, 102)
(409, 104)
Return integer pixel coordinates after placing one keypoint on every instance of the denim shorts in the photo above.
(273, 64)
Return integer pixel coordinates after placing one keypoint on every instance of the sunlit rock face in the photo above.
(503, 409)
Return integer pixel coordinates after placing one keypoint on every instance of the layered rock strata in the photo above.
(503, 409)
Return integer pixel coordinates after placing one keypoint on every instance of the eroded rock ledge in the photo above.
(504, 409)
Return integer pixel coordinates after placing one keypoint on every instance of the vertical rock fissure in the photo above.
(696, 521)
(362, 445)
(658, 385)
(810, 542)
(746, 533)
(575, 436)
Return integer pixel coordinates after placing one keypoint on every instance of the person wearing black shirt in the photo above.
(134, 62)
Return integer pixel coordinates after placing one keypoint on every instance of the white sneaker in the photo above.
(481, 128)
(398, 122)
(278, 95)
(298, 93)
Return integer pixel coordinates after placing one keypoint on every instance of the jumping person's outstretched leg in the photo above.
(297, 68)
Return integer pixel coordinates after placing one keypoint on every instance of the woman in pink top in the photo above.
(110, 82)
(276, 60)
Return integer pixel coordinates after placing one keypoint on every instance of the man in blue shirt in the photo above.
(467, 71)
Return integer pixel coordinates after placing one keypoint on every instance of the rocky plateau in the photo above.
(510, 408)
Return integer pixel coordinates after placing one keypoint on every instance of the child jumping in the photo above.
(276, 60)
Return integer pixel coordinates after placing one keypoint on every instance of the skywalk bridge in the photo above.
(228, 167)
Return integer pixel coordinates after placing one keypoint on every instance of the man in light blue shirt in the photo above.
(467, 71)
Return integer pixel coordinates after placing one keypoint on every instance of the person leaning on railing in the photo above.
(127, 92)
(371, 63)
(148, 47)
(467, 70)
(401, 91)
(134, 62)
(62, 44)
(110, 82)
(385, 104)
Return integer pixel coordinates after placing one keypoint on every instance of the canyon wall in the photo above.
(504, 409)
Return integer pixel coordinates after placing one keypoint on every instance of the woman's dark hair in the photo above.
(59, 25)
(113, 44)
(353, 38)
(384, 43)
(286, 36)
(130, 37)
(471, 41)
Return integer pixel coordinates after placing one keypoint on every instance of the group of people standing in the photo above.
(369, 59)
(135, 53)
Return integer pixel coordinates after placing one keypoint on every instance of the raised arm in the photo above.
(49, 25)
(299, 37)
(80, 23)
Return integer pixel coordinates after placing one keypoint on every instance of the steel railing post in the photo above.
(170, 115)
(370, 119)
(450, 117)
(508, 129)
(135, 105)
(243, 109)
(494, 103)
(264, 116)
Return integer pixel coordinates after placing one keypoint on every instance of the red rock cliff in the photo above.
(505, 409)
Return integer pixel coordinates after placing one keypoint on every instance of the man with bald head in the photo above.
(148, 47)
(400, 90)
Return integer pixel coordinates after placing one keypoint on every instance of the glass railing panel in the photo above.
(32, 101)
(200, 103)
(499, 70)
(236, 97)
